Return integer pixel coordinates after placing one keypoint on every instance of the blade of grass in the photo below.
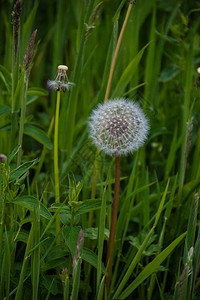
(151, 267)
(19, 292)
(137, 257)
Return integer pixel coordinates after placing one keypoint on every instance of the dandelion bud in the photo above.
(61, 82)
(118, 127)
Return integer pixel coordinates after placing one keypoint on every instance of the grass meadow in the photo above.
(57, 187)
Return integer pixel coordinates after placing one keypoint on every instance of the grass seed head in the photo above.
(118, 127)
(30, 51)
(16, 24)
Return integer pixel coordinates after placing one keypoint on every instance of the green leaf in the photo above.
(169, 73)
(161, 204)
(150, 268)
(63, 208)
(92, 233)
(7, 263)
(139, 253)
(13, 153)
(6, 78)
(128, 73)
(38, 134)
(34, 93)
(30, 203)
(49, 282)
(89, 205)
(71, 237)
(89, 256)
(4, 109)
(19, 171)
(5, 127)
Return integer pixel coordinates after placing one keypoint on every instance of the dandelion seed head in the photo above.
(61, 83)
(118, 127)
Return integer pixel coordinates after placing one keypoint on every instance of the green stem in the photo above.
(2, 209)
(56, 170)
(93, 193)
(15, 64)
(22, 119)
(19, 293)
(111, 243)
(117, 51)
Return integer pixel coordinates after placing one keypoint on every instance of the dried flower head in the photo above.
(118, 127)
(30, 51)
(61, 83)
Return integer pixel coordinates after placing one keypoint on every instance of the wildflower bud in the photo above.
(189, 135)
(190, 254)
(61, 82)
(182, 281)
(3, 158)
(118, 127)
(16, 24)
(30, 51)
(64, 275)
(78, 250)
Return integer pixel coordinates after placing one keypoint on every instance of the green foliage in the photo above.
(157, 245)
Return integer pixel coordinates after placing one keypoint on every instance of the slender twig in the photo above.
(56, 170)
(111, 243)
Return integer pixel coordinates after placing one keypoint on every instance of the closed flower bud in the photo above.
(118, 127)
(3, 158)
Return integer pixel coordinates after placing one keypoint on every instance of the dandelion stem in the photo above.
(56, 170)
(111, 243)
(116, 51)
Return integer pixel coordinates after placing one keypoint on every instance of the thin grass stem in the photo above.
(22, 119)
(42, 158)
(117, 51)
